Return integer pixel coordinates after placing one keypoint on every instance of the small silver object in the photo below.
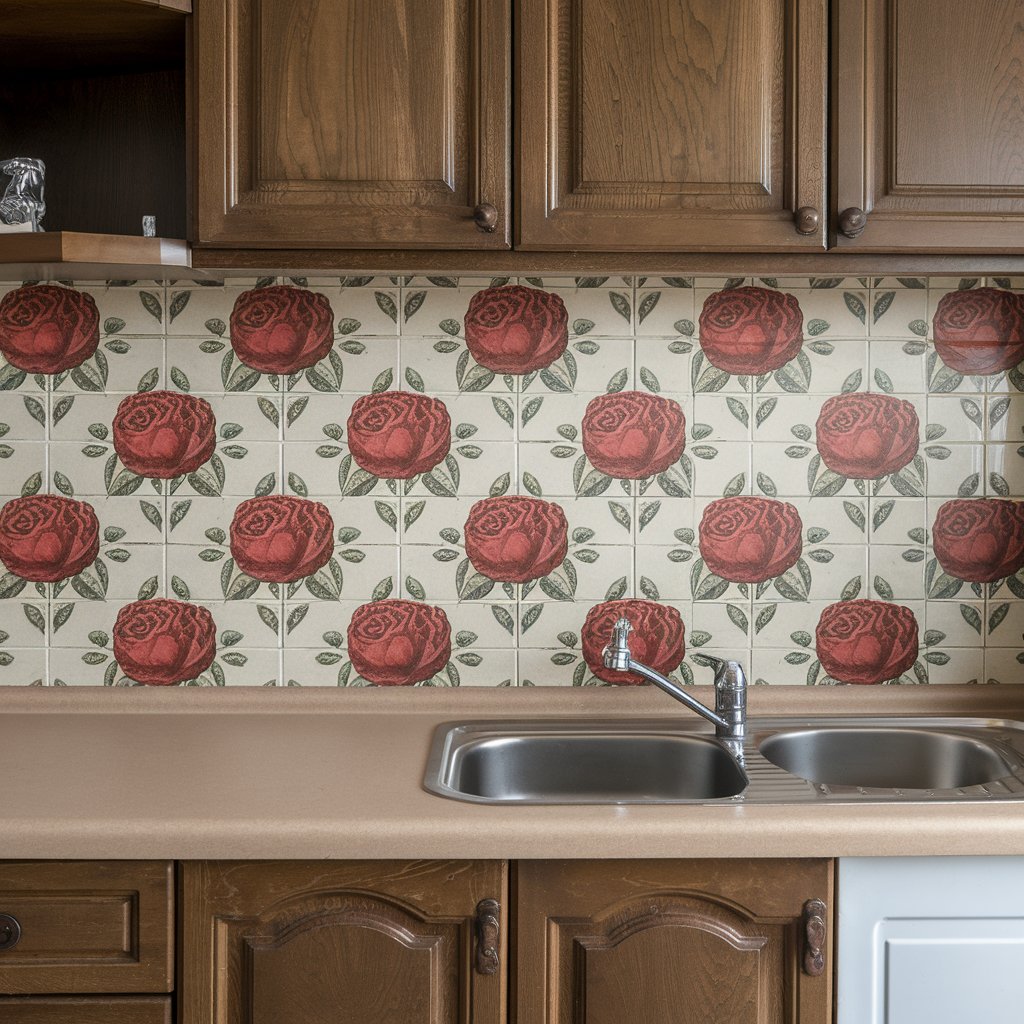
(149, 226)
(22, 201)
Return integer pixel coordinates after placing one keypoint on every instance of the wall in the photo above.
(832, 502)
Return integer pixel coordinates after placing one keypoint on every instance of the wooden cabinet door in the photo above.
(671, 124)
(929, 125)
(665, 941)
(352, 942)
(347, 124)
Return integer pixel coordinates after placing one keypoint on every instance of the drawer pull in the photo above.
(814, 937)
(10, 931)
(487, 935)
(485, 216)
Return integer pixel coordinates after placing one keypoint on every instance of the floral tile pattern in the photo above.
(439, 481)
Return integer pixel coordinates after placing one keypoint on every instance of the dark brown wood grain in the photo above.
(357, 942)
(604, 942)
(113, 144)
(88, 926)
(928, 124)
(90, 1010)
(100, 36)
(684, 125)
(343, 123)
(574, 262)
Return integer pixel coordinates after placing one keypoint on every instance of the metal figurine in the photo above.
(22, 201)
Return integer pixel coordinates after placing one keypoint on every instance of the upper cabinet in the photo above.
(640, 125)
(682, 125)
(341, 123)
(929, 125)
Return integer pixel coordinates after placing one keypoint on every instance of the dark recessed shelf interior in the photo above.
(96, 89)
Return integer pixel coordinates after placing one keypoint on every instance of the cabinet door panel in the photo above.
(611, 942)
(929, 123)
(670, 124)
(346, 124)
(345, 943)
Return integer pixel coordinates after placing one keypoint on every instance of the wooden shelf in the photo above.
(72, 254)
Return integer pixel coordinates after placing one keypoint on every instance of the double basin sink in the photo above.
(665, 760)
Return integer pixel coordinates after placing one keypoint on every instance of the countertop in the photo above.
(312, 773)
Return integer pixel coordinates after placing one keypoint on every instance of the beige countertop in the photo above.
(312, 773)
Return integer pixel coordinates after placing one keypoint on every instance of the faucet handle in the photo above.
(728, 674)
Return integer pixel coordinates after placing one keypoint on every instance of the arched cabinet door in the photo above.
(720, 942)
(366, 942)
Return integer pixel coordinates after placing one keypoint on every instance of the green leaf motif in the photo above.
(415, 588)
(620, 304)
(852, 589)
(386, 304)
(152, 306)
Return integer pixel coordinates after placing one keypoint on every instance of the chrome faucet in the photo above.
(730, 715)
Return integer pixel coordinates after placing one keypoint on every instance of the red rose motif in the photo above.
(866, 641)
(866, 436)
(631, 435)
(45, 538)
(160, 643)
(749, 540)
(656, 640)
(280, 539)
(980, 540)
(281, 329)
(398, 643)
(512, 329)
(979, 330)
(751, 330)
(397, 434)
(164, 434)
(48, 329)
(512, 540)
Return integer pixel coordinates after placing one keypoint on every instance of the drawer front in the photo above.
(93, 1010)
(87, 926)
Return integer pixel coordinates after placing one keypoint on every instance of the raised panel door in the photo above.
(345, 124)
(929, 125)
(339, 943)
(671, 124)
(720, 942)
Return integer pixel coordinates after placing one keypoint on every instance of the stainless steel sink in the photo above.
(887, 758)
(678, 760)
(581, 762)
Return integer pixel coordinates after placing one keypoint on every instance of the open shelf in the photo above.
(97, 90)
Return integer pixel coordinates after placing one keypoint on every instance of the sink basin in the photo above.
(581, 762)
(677, 760)
(886, 758)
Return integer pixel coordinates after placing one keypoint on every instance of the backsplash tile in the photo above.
(440, 481)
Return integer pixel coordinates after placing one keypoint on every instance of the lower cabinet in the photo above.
(351, 942)
(667, 941)
(91, 1010)
(593, 942)
(936, 939)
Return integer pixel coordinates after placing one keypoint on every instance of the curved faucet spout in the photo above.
(730, 715)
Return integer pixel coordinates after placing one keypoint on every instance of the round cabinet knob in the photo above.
(10, 931)
(485, 216)
(807, 220)
(852, 221)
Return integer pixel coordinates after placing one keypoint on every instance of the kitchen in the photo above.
(370, 364)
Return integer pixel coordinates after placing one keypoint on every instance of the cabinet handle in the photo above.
(852, 221)
(814, 937)
(10, 931)
(807, 220)
(485, 216)
(488, 930)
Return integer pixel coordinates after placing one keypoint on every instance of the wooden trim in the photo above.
(92, 1010)
(80, 247)
(246, 261)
